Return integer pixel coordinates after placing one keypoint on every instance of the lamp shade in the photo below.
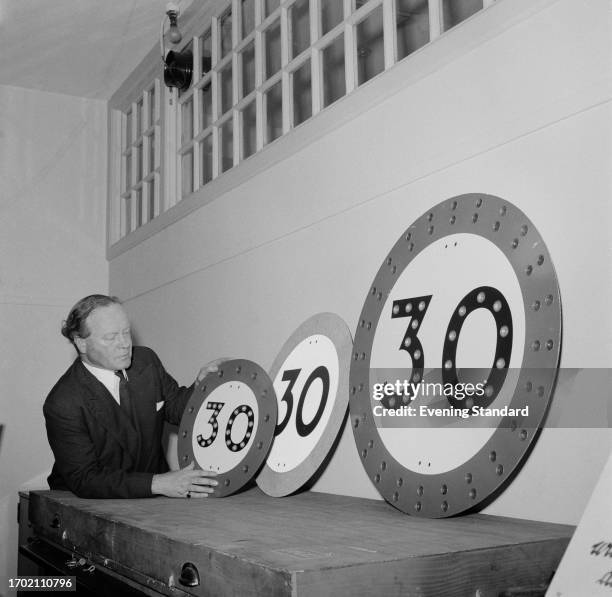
(178, 69)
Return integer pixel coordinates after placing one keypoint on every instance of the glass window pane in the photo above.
(139, 152)
(331, 14)
(124, 184)
(206, 160)
(358, 4)
(226, 132)
(274, 112)
(127, 214)
(206, 106)
(412, 26)
(128, 128)
(270, 6)
(248, 69)
(225, 33)
(138, 208)
(226, 88)
(128, 171)
(139, 118)
(455, 11)
(187, 121)
(370, 47)
(205, 53)
(152, 116)
(300, 27)
(302, 94)
(187, 173)
(152, 153)
(272, 44)
(334, 83)
(248, 17)
(152, 190)
(249, 131)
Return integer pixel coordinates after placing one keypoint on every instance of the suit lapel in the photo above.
(108, 413)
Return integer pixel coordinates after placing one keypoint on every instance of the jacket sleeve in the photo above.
(175, 396)
(77, 462)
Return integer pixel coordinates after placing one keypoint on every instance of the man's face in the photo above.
(109, 344)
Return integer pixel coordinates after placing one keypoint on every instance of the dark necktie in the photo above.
(124, 394)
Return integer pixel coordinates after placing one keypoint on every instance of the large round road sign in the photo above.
(228, 424)
(455, 356)
(310, 375)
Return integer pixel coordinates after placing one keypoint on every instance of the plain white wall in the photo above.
(525, 116)
(52, 252)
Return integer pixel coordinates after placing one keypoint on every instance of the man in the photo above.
(105, 415)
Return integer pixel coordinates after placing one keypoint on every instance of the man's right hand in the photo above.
(186, 483)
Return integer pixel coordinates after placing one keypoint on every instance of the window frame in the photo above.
(170, 204)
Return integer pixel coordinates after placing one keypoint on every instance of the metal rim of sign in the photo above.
(259, 382)
(279, 484)
(472, 484)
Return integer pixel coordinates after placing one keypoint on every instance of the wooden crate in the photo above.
(308, 545)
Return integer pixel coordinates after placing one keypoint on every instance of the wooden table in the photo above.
(311, 544)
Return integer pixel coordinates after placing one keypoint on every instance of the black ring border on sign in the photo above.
(251, 374)
(335, 328)
(473, 484)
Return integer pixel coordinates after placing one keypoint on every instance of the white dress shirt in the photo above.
(107, 378)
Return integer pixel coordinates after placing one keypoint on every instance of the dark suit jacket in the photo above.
(99, 452)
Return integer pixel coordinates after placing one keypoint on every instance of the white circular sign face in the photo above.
(303, 385)
(311, 384)
(228, 424)
(223, 429)
(432, 449)
(455, 356)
